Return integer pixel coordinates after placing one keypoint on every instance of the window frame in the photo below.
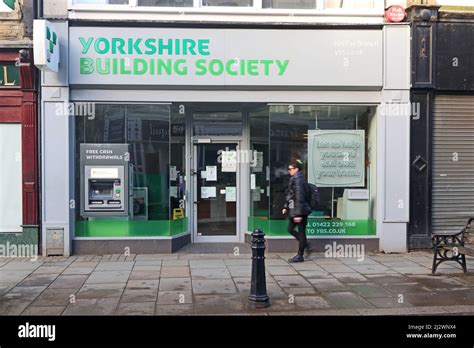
(256, 9)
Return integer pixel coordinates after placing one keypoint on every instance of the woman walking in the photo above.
(298, 208)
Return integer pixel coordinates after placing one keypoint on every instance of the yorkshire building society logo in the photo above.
(46, 45)
(7, 5)
(52, 39)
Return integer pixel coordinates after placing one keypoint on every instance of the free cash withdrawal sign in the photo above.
(219, 57)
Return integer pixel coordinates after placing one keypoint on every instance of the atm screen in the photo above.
(101, 189)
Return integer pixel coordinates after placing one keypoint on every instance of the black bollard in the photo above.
(258, 284)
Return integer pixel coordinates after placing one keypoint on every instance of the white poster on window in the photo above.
(208, 192)
(258, 164)
(336, 158)
(229, 161)
(173, 173)
(230, 194)
(252, 181)
(211, 173)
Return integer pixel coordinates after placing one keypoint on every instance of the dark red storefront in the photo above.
(18, 105)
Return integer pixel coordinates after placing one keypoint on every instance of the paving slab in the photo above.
(44, 310)
(372, 269)
(25, 265)
(78, 270)
(311, 302)
(175, 297)
(28, 293)
(38, 280)
(208, 263)
(455, 297)
(180, 309)
(174, 272)
(369, 290)
(300, 291)
(138, 308)
(13, 306)
(145, 274)
(281, 270)
(50, 269)
(347, 300)
(143, 284)
(54, 297)
(92, 307)
(389, 302)
(405, 288)
(175, 284)
(213, 286)
(384, 278)
(316, 274)
(175, 263)
(13, 275)
(336, 268)
(115, 266)
(103, 277)
(350, 277)
(209, 273)
(325, 285)
(240, 271)
(293, 281)
(109, 290)
(218, 304)
(139, 295)
(68, 282)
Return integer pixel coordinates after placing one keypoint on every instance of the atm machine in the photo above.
(106, 187)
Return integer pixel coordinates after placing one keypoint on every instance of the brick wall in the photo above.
(11, 23)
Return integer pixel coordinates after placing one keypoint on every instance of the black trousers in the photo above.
(301, 234)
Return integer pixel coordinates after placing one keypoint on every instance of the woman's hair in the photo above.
(297, 163)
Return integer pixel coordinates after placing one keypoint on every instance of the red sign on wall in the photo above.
(395, 14)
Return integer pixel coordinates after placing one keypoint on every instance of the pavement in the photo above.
(194, 283)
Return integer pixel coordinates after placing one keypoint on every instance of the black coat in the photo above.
(296, 196)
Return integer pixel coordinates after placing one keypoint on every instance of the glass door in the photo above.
(216, 177)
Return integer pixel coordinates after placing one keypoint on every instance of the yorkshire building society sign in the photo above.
(336, 158)
(234, 57)
(46, 45)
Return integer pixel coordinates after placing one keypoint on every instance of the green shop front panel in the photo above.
(124, 228)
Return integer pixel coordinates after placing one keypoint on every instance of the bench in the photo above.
(453, 246)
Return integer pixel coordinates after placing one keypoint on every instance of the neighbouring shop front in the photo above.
(184, 135)
(18, 153)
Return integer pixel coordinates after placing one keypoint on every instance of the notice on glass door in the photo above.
(230, 194)
(229, 161)
(211, 173)
(208, 192)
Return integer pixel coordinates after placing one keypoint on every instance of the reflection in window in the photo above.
(166, 3)
(362, 4)
(289, 4)
(217, 123)
(102, 2)
(234, 3)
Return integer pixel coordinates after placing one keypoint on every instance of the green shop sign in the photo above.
(9, 75)
(316, 227)
(216, 57)
(155, 61)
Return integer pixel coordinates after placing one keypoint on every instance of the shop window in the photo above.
(350, 4)
(289, 4)
(239, 3)
(146, 131)
(166, 3)
(337, 145)
(10, 178)
(217, 123)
